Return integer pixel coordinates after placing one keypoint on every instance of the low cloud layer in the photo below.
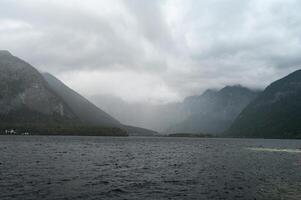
(156, 51)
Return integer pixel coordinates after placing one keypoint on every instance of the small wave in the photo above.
(275, 150)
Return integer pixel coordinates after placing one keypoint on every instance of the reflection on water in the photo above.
(41, 167)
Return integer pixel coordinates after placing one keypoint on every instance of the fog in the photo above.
(154, 52)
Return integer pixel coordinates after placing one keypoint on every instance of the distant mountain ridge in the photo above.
(275, 113)
(214, 111)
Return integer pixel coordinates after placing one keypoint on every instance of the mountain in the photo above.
(29, 102)
(25, 96)
(275, 113)
(214, 111)
(211, 112)
(87, 112)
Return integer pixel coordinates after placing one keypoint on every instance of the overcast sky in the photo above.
(155, 50)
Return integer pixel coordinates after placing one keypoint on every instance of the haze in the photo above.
(155, 51)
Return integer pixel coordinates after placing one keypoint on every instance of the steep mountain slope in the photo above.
(87, 112)
(25, 96)
(214, 111)
(29, 104)
(276, 113)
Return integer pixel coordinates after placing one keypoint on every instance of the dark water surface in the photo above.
(42, 167)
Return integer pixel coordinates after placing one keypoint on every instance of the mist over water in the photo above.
(158, 117)
(58, 167)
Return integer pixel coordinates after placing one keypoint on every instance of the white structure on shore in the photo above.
(10, 132)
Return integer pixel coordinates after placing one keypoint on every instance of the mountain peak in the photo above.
(233, 87)
(273, 114)
(209, 92)
(5, 53)
(238, 89)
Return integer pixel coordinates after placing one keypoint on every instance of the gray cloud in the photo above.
(158, 51)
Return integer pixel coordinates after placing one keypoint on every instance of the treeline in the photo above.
(54, 129)
(201, 135)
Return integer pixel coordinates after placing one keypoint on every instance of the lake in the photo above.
(59, 167)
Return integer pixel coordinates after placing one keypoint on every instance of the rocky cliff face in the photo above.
(23, 88)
